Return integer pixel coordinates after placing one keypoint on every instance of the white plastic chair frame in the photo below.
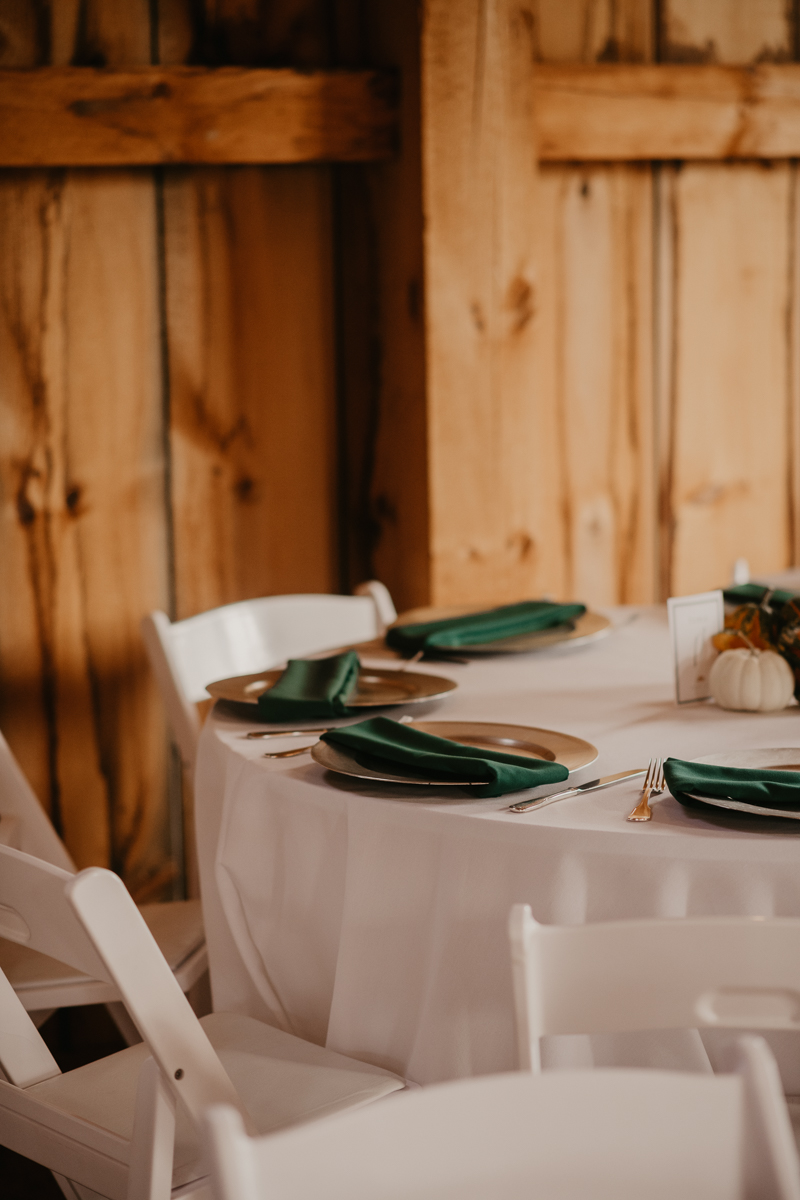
(621, 1134)
(682, 973)
(252, 635)
(128, 1127)
(43, 985)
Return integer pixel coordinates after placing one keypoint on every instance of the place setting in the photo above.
(521, 628)
(736, 650)
(746, 789)
(486, 758)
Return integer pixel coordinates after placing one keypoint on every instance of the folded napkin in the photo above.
(317, 687)
(767, 789)
(380, 744)
(754, 593)
(477, 628)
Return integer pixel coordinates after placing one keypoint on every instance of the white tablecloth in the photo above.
(374, 920)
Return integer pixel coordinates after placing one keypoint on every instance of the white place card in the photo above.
(693, 621)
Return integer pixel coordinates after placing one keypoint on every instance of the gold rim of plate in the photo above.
(587, 628)
(378, 687)
(526, 740)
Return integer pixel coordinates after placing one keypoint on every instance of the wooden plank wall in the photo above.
(490, 442)
(655, 421)
(167, 399)
(249, 324)
(472, 378)
(595, 334)
(83, 527)
(383, 419)
(727, 349)
(539, 319)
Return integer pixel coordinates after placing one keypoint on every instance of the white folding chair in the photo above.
(44, 984)
(684, 973)
(238, 639)
(128, 1126)
(565, 1135)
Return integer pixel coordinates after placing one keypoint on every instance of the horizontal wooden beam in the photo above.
(626, 112)
(81, 117)
(78, 116)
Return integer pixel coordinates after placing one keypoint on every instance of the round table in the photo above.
(373, 919)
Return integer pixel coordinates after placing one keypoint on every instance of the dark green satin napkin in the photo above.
(380, 745)
(754, 593)
(767, 789)
(510, 620)
(317, 687)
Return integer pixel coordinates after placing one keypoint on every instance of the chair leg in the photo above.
(119, 1015)
(153, 1141)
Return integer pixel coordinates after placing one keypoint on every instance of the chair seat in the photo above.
(281, 1079)
(43, 982)
(178, 928)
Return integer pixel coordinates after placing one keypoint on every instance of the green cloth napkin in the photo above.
(317, 687)
(768, 789)
(754, 593)
(381, 744)
(476, 628)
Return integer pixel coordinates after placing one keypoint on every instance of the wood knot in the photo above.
(73, 500)
(520, 301)
(246, 490)
(25, 510)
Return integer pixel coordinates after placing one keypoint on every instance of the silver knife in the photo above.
(594, 785)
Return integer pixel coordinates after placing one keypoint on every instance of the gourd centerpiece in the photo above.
(752, 680)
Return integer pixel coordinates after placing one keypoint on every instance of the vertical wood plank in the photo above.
(489, 474)
(539, 377)
(250, 329)
(250, 335)
(594, 362)
(725, 31)
(726, 281)
(593, 30)
(594, 348)
(383, 417)
(82, 481)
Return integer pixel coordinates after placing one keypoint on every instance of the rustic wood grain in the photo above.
(64, 116)
(627, 112)
(489, 466)
(381, 306)
(83, 518)
(728, 31)
(594, 362)
(252, 431)
(726, 271)
(249, 331)
(584, 112)
(588, 31)
(250, 328)
(593, 352)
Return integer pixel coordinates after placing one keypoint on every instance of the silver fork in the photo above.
(653, 786)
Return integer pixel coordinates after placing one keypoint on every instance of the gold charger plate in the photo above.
(586, 628)
(378, 687)
(525, 740)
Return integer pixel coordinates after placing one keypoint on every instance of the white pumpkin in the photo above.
(751, 680)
